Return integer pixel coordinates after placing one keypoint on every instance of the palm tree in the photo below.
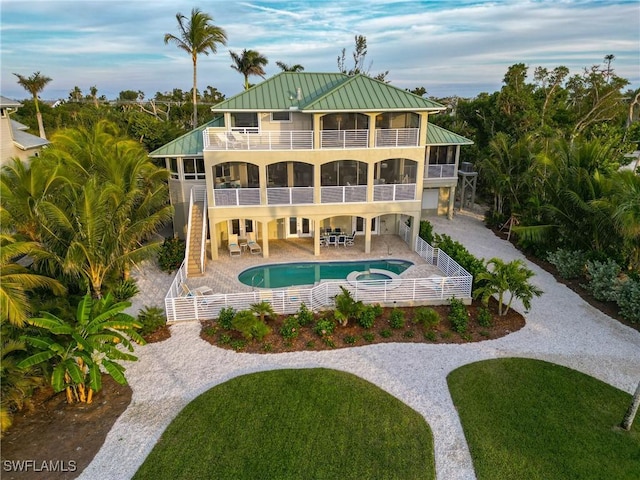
(513, 277)
(26, 191)
(16, 281)
(105, 224)
(249, 62)
(34, 85)
(290, 68)
(197, 35)
(84, 345)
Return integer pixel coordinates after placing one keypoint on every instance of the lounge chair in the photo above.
(234, 248)
(254, 247)
(196, 292)
(227, 142)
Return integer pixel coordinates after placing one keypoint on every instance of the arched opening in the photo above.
(344, 173)
(290, 174)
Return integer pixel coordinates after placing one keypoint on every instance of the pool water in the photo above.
(308, 273)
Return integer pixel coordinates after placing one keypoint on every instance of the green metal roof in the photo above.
(440, 136)
(324, 92)
(189, 144)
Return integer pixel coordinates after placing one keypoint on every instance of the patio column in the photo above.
(213, 236)
(372, 129)
(367, 235)
(316, 238)
(264, 227)
(262, 178)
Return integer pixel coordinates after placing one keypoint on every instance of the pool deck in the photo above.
(222, 274)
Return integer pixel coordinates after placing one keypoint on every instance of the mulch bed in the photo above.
(352, 334)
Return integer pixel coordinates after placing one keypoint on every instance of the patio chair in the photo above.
(234, 248)
(342, 240)
(351, 240)
(332, 240)
(254, 247)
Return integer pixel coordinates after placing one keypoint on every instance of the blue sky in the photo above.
(458, 47)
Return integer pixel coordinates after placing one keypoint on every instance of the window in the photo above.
(443, 155)
(173, 168)
(244, 122)
(281, 116)
(193, 169)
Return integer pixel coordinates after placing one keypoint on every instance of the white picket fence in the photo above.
(457, 282)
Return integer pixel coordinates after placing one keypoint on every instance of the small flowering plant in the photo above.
(290, 328)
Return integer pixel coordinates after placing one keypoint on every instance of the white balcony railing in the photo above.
(441, 171)
(344, 139)
(252, 139)
(394, 192)
(397, 137)
(276, 140)
(229, 197)
(289, 195)
(343, 194)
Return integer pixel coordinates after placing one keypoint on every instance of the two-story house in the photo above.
(303, 152)
(15, 141)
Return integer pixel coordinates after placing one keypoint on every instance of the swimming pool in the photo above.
(308, 273)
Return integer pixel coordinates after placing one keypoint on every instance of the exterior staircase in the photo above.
(196, 240)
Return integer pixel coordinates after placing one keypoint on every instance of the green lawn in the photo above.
(528, 419)
(294, 424)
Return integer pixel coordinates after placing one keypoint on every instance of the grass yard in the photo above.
(528, 419)
(293, 424)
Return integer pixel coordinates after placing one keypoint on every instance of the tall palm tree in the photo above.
(289, 68)
(196, 35)
(249, 62)
(34, 84)
(104, 226)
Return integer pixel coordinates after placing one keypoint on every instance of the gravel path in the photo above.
(561, 328)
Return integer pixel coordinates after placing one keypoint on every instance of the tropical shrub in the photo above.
(346, 307)
(263, 309)
(485, 319)
(629, 300)
(324, 327)
(569, 263)
(125, 290)
(512, 277)
(426, 231)
(171, 254)
(305, 316)
(225, 317)
(396, 318)
(350, 339)
(251, 327)
(603, 279)
(151, 319)
(367, 317)
(80, 348)
(427, 317)
(290, 328)
(458, 315)
(386, 333)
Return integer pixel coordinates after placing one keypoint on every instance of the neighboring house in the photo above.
(14, 140)
(301, 152)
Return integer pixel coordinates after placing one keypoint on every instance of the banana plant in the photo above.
(79, 349)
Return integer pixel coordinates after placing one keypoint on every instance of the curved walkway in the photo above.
(561, 328)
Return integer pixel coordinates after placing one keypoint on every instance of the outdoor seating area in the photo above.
(238, 245)
(234, 247)
(336, 238)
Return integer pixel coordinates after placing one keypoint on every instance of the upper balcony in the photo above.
(216, 139)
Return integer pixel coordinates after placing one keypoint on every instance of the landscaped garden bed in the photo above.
(402, 324)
